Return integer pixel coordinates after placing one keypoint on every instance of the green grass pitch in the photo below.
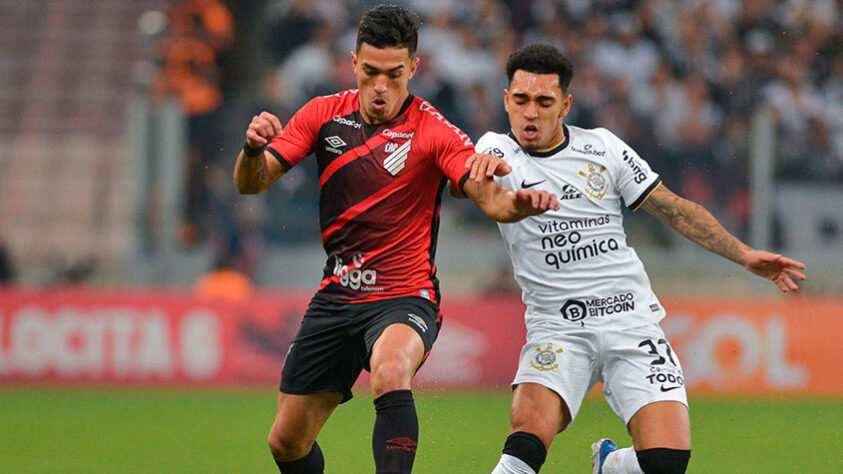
(107, 430)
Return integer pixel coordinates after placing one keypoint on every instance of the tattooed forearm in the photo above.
(251, 175)
(695, 223)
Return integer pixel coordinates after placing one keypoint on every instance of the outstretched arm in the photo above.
(256, 169)
(497, 202)
(698, 225)
(483, 166)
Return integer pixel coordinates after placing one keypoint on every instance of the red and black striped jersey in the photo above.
(380, 192)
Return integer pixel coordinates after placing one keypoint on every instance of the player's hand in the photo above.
(780, 270)
(532, 202)
(484, 166)
(262, 130)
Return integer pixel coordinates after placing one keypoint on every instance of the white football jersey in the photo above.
(574, 265)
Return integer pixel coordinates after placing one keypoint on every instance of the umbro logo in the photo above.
(418, 321)
(334, 144)
(397, 159)
(525, 184)
(402, 444)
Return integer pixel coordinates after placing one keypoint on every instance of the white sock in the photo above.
(622, 461)
(512, 465)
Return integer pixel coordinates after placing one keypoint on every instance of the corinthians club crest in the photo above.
(596, 183)
(545, 359)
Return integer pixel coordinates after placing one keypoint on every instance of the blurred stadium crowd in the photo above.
(678, 80)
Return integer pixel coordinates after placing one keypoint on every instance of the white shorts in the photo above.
(637, 366)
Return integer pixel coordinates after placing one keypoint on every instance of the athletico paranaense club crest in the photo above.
(396, 160)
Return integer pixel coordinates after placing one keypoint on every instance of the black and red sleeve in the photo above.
(296, 141)
(452, 150)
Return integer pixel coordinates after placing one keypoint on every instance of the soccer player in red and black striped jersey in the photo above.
(384, 157)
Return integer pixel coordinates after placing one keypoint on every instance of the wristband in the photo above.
(253, 152)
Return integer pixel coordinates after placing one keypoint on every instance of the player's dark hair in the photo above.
(389, 26)
(541, 59)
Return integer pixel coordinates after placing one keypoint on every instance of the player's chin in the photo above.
(529, 145)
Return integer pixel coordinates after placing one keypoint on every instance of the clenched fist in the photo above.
(262, 130)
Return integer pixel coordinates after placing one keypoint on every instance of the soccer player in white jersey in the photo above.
(591, 314)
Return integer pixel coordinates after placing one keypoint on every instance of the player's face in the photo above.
(382, 75)
(536, 104)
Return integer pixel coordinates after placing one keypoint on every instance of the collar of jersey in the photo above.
(551, 152)
(372, 128)
(404, 107)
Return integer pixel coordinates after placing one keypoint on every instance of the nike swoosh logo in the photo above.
(670, 388)
(525, 185)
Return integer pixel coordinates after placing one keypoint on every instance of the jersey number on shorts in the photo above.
(654, 351)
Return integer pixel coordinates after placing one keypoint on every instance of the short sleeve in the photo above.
(297, 139)
(635, 179)
(453, 149)
(488, 144)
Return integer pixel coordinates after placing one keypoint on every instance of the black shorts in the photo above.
(334, 342)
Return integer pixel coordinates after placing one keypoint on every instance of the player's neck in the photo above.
(381, 120)
(556, 144)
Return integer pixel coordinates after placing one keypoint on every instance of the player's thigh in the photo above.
(396, 354)
(538, 410)
(556, 369)
(323, 356)
(661, 425)
(398, 336)
(299, 418)
(644, 382)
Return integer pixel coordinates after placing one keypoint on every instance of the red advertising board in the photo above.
(165, 337)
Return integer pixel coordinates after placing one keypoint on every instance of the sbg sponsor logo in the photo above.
(639, 175)
(355, 277)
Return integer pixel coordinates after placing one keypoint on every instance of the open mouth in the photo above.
(379, 104)
(531, 131)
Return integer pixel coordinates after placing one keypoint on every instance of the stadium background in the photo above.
(119, 124)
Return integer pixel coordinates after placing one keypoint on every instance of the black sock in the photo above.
(526, 447)
(396, 432)
(663, 460)
(312, 463)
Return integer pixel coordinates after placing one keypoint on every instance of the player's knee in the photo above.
(663, 460)
(287, 447)
(540, 421)
(390, 375)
